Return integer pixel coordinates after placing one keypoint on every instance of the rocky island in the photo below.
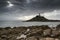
(41, 19)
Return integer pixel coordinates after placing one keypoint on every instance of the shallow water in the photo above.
(20, 23)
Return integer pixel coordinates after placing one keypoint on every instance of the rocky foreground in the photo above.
(30, 33)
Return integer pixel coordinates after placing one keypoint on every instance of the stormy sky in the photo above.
(26, 9)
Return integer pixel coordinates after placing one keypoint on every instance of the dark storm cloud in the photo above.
(32, 4)
(50, 3)
(39, 4)
(3, 3)
(27, 7)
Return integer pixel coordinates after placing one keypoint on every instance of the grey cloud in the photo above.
(41, 3)
(3, 3)
(22, 7)
(33, 5)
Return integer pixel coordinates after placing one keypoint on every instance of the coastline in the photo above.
(42, 31)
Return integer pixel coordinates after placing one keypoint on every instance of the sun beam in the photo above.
(26, 17)
(10, 4)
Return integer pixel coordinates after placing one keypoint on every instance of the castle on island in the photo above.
(41, 19)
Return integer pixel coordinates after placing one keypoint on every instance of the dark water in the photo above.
(20, 23)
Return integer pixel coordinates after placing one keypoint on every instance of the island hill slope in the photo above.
(41, 19)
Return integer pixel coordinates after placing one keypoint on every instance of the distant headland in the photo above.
(41, 19)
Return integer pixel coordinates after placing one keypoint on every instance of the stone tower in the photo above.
(39, 14)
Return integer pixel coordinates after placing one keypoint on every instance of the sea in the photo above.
(18, 23)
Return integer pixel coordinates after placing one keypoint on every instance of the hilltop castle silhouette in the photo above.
(41, 19)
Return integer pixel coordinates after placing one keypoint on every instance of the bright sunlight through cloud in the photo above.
(10, 4)
(25, 17)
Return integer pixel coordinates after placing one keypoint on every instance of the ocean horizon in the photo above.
(19, 23)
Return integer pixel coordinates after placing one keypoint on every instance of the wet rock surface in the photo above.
(30, 33)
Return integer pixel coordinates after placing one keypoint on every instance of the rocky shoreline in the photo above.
(43, 32)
